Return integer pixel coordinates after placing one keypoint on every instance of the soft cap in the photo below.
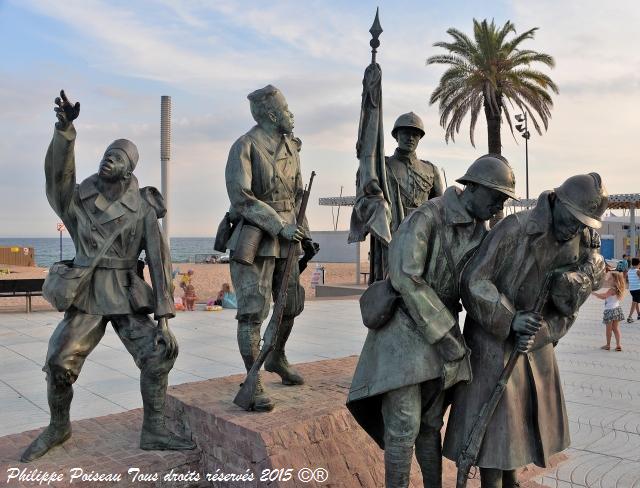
(129, 148)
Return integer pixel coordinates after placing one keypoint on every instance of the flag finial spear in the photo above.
(376, 30)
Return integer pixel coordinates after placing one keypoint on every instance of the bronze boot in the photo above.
(277, 361)
(397, 466)
(154, 435)
(59, 428)
(248, 343)
(429, 457)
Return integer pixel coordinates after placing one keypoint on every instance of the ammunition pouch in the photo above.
(378, 304)
(248, 241)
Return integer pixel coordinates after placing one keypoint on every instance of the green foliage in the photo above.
(487, 70)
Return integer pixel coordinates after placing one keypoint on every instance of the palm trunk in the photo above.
(495, 144)
(493, 129)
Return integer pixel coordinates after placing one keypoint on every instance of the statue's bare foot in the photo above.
(162, 439)
(52, 436)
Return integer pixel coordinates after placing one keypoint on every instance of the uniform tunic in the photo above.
(412, 182)
(265, 188)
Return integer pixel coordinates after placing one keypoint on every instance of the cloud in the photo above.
(118, 57)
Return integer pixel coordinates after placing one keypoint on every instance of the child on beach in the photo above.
(190, 297)
(613, 313)
(226, 298)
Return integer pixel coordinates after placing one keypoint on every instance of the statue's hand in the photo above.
(292, 232)
(525, 342)
(527, 323)
(450, 348)
(166, 337)
(65, 111)
(372, 188)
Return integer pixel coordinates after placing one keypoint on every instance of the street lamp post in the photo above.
(524, 130)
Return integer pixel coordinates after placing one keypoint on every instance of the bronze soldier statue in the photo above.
(398, 390)
(265, 187)
(411, 181)
(549, 249)
(111, 220)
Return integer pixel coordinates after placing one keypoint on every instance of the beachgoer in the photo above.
(613, 314)
(633, 277)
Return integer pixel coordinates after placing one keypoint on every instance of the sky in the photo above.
(119, 57)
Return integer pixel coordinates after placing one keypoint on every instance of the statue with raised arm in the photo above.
(111, 221)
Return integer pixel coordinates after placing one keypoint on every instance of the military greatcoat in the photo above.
(90, 219)
(402, 352)
(506, 275)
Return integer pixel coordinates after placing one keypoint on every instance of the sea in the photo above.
(48, 249)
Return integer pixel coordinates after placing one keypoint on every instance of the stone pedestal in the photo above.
(310, 439)
(309, 428)
(107, 446)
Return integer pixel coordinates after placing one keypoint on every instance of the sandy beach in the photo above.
(207, 279)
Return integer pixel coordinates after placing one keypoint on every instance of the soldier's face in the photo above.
(114, 165)
(408, 138)
(565, 225)
(281, 116)
(487, 202)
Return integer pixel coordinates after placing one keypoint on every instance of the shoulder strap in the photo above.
(446, 245)
(103, 251)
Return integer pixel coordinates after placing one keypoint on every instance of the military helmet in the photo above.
(585, 197)
(492, 171)
(408, 120)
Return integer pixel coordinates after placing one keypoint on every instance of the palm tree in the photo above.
(484, 73)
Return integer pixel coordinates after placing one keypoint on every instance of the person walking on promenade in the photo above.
(613, 314)
(633, 277)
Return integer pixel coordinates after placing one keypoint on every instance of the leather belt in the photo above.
(107, 262)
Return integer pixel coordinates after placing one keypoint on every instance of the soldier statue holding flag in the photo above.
(388, 188)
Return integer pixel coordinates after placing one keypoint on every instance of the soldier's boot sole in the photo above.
(164, 441)
(49, 438)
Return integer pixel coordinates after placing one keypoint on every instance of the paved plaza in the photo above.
(602, 389)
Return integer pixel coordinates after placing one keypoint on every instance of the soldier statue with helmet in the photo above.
(398, 390)
(111, 221)
(550, 251)
(412, 181)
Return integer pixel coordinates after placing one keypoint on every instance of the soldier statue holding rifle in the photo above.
(111, 220)
(522, 291)
(265, 187)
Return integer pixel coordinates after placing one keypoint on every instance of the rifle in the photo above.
(246, 397)
(469, 455)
